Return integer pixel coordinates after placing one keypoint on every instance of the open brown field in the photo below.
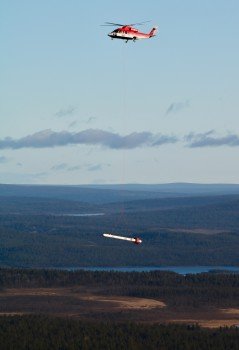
(87, 303)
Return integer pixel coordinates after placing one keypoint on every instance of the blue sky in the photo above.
(79, 108)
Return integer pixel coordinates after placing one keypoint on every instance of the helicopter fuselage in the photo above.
(129, 33)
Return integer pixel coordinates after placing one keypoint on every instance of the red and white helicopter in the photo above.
(128, 32)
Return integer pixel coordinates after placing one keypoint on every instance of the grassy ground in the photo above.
(87, 303)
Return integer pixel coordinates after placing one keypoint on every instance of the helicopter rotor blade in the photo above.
(122, 25)
(113, 24)
(139, 24)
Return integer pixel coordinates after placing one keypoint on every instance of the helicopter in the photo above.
(128, 32)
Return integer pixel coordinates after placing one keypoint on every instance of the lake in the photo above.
(82, 215)
(182, 270)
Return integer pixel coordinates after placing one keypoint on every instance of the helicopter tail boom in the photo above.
(153, 32)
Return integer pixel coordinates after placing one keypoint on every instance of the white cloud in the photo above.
(49, 138)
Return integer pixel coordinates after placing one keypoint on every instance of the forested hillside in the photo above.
(43, 333)
(53, 232)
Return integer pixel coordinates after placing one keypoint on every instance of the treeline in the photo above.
(43, 333)
(206, 289)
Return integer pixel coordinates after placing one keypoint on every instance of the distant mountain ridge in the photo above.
(74, 193)
(176, 188)
(99, 194)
